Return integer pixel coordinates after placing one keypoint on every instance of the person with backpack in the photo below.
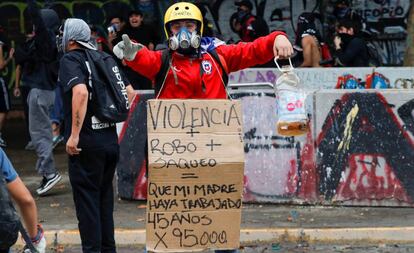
(9, 221)
(350, 49)
(87, 77)
(40, 74)
(196, 67)
(4, 90)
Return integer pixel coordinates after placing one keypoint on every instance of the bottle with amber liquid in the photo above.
(290, 101)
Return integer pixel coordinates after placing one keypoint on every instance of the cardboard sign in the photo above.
(196, 165)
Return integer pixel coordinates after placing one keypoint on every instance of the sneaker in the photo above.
(2, 143)
(56, 140)
(30, 146)
(47, 184)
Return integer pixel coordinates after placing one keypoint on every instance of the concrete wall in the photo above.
(359, 151)
(326, 78)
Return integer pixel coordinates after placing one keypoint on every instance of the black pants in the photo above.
(91, 173)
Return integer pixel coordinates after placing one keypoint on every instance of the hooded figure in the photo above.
(39, 56)
(42, 79)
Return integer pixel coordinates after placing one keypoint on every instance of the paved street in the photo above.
(57, 214)
(283, 247)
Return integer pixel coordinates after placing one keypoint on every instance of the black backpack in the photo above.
(9, 220)
(165, 66)
(107, 86)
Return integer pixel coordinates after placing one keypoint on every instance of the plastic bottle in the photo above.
(290, 99)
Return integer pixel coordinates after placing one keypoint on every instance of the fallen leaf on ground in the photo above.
(60, 249)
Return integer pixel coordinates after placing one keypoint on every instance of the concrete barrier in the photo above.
(359, 151)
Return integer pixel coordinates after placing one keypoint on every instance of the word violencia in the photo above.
(179, 116)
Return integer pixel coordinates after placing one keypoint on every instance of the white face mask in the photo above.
(184, 39)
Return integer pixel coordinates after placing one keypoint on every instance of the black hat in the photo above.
(246, 3)
(345, 2)
(135, 12)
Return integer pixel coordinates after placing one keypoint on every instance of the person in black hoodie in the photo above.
(142, 33)
(4, 91)
(40, 74)
(350, 50)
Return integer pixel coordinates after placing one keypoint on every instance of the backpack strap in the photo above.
(165, 66)
(216, 57)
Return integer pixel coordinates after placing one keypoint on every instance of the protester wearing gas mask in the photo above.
(194, 66)
(350, 50)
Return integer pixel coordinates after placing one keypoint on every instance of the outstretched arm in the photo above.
(260, 51)
(138, 57)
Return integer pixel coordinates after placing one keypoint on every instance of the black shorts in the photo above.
(4, 96)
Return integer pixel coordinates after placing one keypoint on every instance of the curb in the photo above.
(312, 235)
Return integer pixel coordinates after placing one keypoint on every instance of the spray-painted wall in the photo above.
(386, 20)
(359, 151)
(326, 78)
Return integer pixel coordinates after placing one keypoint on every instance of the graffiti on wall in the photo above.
(326, 78)
(361, 153)
(364, 152)
(386, 22)
(278, 14)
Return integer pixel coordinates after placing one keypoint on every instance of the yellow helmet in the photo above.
(183, 10)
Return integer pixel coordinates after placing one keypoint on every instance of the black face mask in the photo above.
(345, 38)
(241, 15)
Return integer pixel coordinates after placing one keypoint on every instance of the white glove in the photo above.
(126, 48)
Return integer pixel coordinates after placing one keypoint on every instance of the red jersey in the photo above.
(201, 78)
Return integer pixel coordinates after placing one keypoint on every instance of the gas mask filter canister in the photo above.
(184, 40)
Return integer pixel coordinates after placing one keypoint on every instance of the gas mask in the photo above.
(184, 41)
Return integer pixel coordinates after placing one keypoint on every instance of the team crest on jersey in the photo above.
(206, 66)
